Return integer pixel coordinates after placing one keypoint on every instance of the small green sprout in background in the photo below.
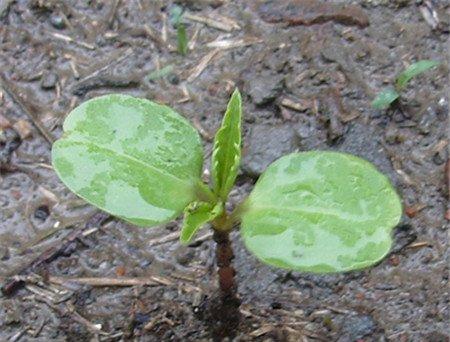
(386, 97)
(163, 72)
(316, 211)
(176, 17)
(182, 41)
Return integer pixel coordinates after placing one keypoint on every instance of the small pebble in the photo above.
(173, 79)
(104, 265)
(57, 22)
(265, 89)
(12, 312)
(184, 255)
(394, 260)
(391, 135)
(439, 157)
(120, 271)
(411, 211)
(23, 128)
(356, 327)
(266, 143)
(141, 318)
(49, 80)
(276, 305)
(360, 296)
(147, 261)
(42, 212)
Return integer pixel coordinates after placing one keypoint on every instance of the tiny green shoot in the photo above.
(413, 70)
(387, 96)
(157, 74)
(182, 40)
(176, 19)
(316, 211)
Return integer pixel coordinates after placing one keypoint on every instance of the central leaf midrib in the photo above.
(309, 210)
(229, 149)
(131, 158)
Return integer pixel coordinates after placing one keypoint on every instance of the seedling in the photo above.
(176, 15)
(317, 211)
(387, 97)
(163, 72)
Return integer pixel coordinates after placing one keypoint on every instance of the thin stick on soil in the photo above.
(97, 70)
(112, 13)
(113, 282)
(26, 108)
(53, 252)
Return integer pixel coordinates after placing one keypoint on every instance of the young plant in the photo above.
(176, 15)
(385, 98)
(317, 211)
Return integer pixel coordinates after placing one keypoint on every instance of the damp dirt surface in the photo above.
(307, 72)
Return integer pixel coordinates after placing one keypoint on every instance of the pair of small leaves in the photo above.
(413, 70)
(386, 97)
(141, 161)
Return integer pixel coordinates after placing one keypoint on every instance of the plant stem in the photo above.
(224, 310)
(224, 257)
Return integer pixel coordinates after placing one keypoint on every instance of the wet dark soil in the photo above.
(307, 83)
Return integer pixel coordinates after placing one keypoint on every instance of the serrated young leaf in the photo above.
(130, 157)
(385, 98)
(412, 71)
(196, 215)
(320, 212)
(227, 148)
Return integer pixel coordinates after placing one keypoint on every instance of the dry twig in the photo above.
(53, 252)
(219, 22)
(14, 94)
(234, 43)
(113, 282)
(68, 39)
(419, 244)
(201, 66)
(300, 106)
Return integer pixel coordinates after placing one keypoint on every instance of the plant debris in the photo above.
(310, 12)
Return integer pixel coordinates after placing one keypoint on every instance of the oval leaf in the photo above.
(385, 98)
(227, 148)
(196, 215)
(412, 71)
(320, 212)
(131, 157)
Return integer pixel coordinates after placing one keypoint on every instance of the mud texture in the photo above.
(306, 84)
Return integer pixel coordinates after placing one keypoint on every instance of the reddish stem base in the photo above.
(224, 310)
